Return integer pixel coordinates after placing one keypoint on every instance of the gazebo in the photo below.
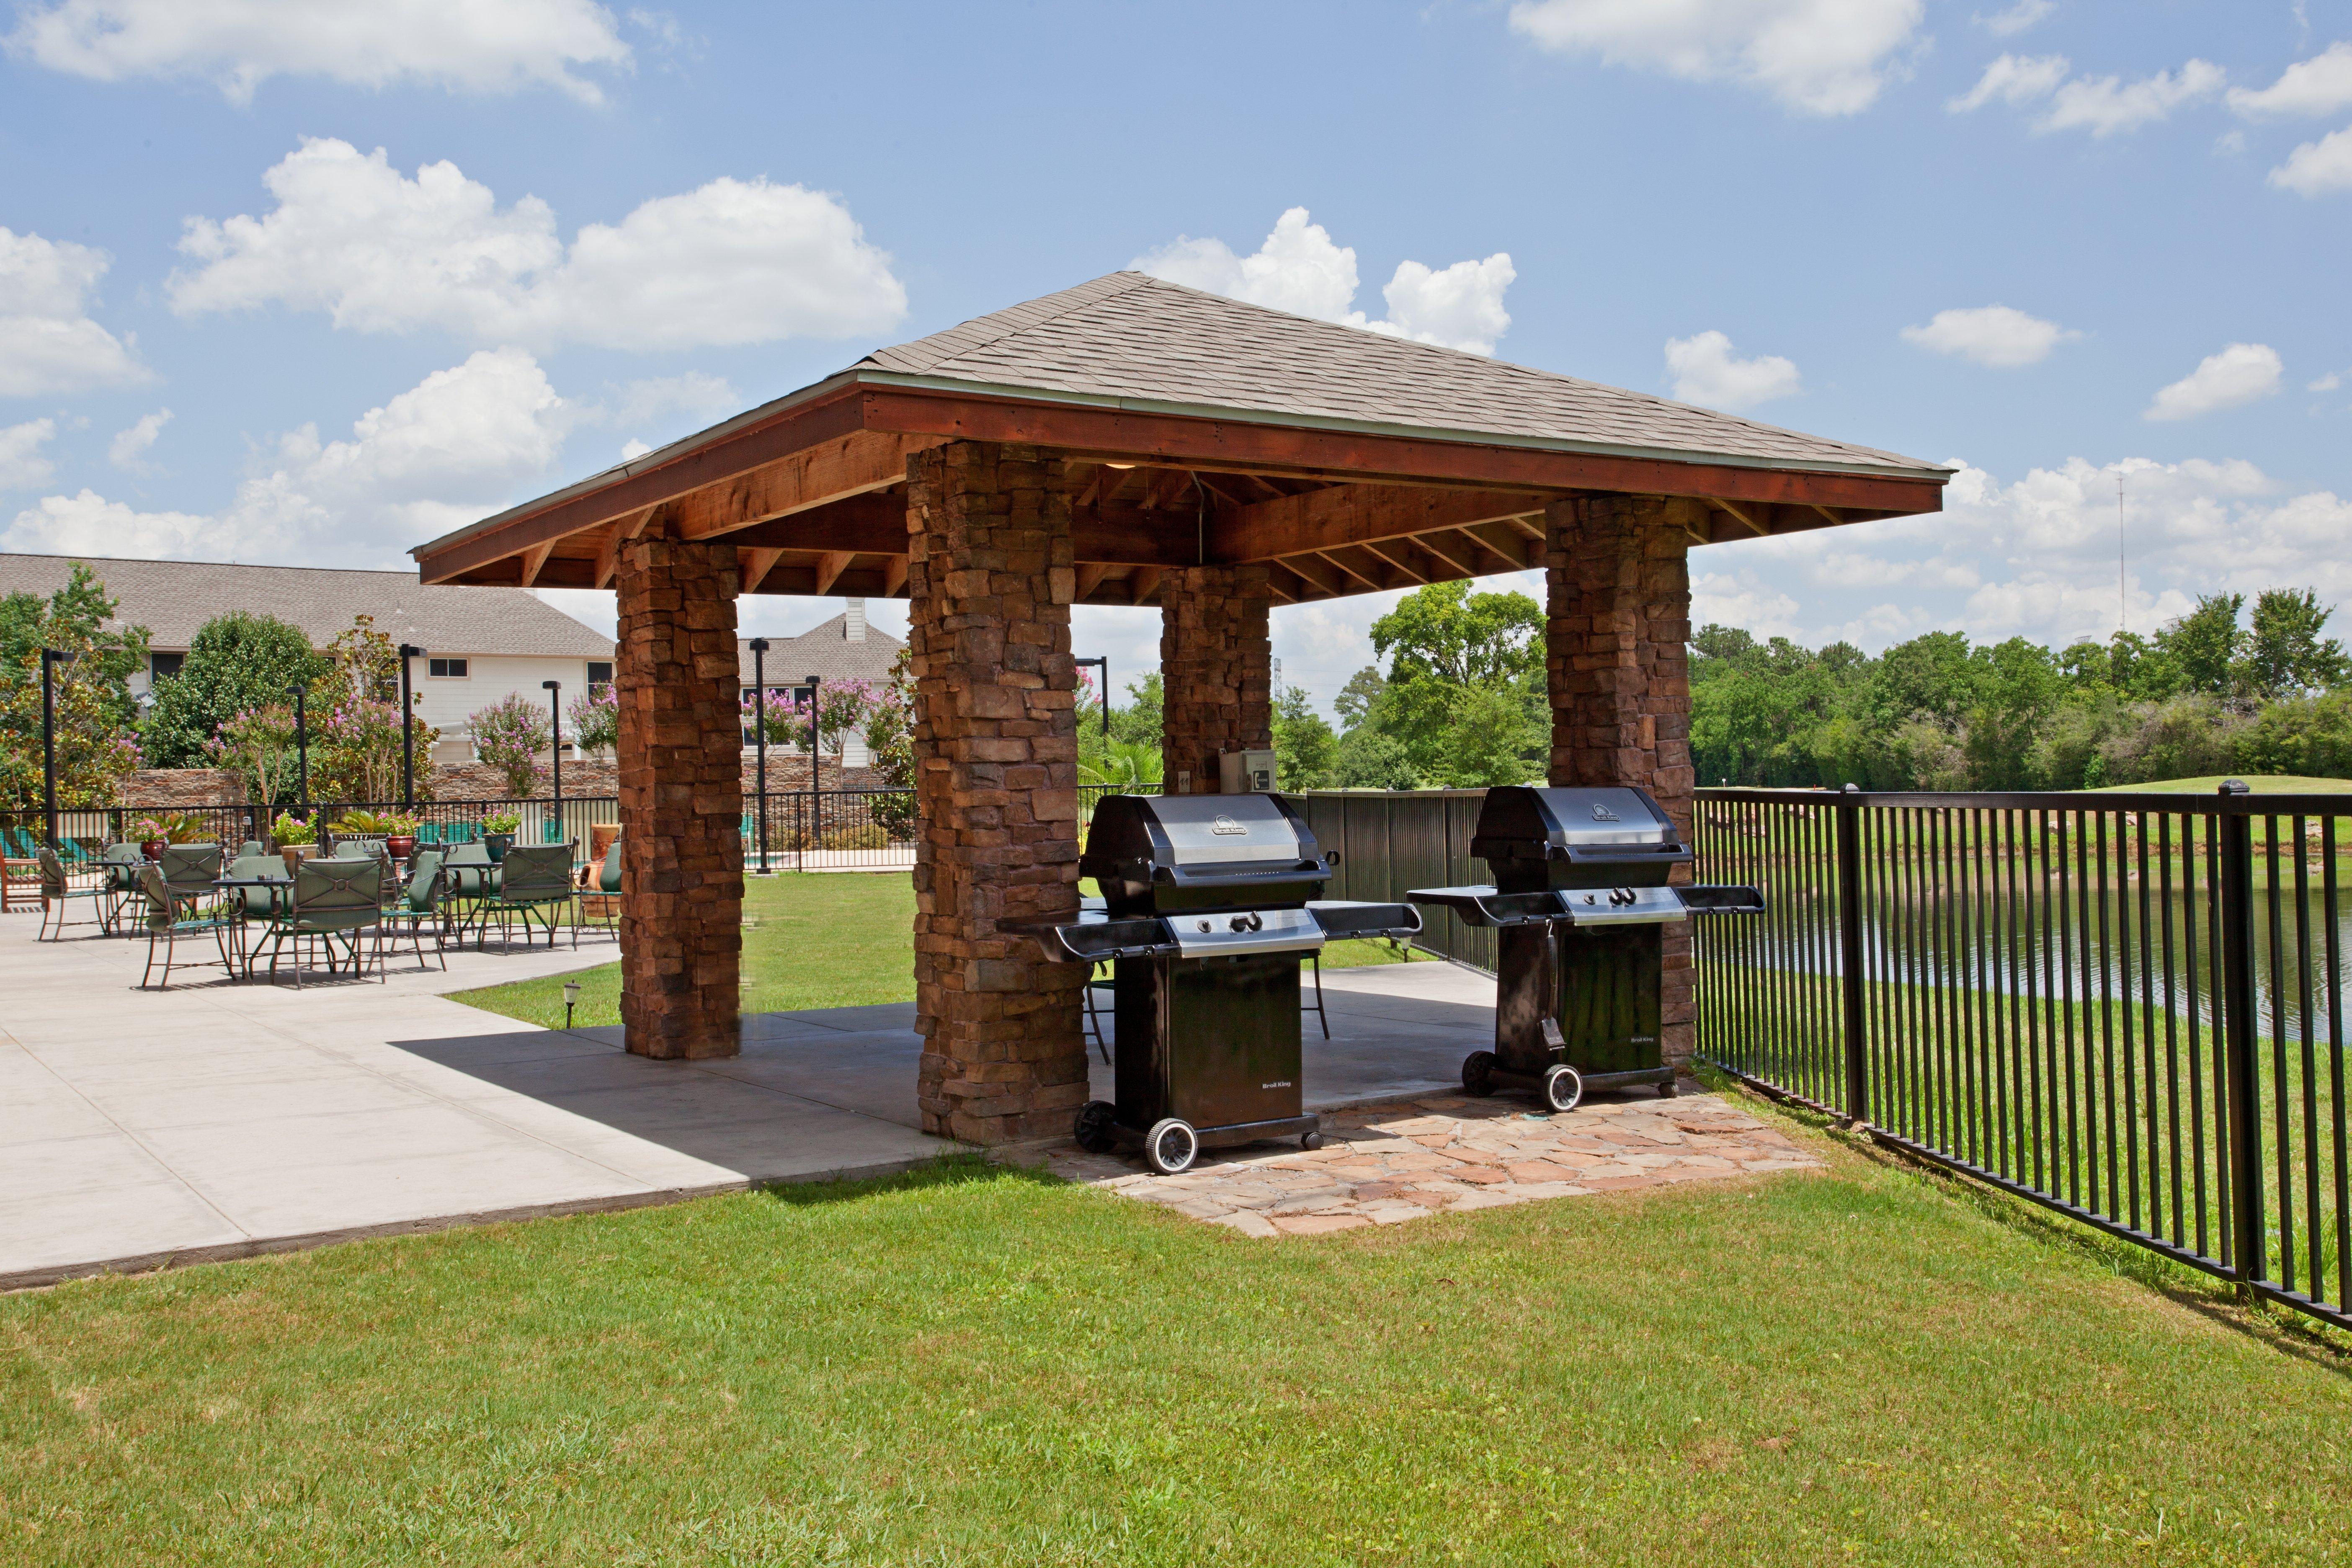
(1125, 442)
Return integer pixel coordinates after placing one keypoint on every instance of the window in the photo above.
(600, 676)
(161, 666)
(445, 669)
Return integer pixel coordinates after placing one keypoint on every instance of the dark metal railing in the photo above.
(2127, 1008)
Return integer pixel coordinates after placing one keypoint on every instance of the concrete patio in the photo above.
(219, 1120)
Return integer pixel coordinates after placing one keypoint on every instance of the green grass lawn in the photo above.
(2261, 784)
(821, 941)
(974, 1365)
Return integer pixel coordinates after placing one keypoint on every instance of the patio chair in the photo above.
(607, 892)
(472, 876)
(60, 891)
(249, 907)
(418, 904)
(20, 875)
(166, 925)
(331, 899)
(534, 882)
(189, 870)
(121, 864)
(249, 848)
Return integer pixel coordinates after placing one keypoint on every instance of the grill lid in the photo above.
(1592, 826)
(1197, 837)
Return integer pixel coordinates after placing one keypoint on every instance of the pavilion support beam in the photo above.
(1216, 666)
(681, 796)
(1618, 667)
(990, 581)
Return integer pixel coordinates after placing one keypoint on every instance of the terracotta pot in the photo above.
(152, 849)
(401, 845)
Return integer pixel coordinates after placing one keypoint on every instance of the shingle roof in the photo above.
(172, 598)
(826, 650)
(1134, 337)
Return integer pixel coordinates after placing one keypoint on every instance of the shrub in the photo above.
(507, 735)
(2306, 735)
(2187, 737)
(236, 663)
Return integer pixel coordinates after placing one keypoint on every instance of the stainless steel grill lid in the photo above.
(1154, 852)
(1576, 837)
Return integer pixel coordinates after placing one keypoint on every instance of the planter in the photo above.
(498, 844)
(295, 854)
(151, 848)
(401, 845)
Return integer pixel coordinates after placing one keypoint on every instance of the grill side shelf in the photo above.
(1346, 918)
(1094, 940)
(1490, 906)
(1721, 899)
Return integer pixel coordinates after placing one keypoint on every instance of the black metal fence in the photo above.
(1392, 841)
(2126, 1007)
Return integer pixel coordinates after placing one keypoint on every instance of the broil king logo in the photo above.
(1227, 827)
(1602, 814)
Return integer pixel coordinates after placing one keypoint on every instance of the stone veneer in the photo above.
(990, 580)
(681, 797)
(1616, 636)
(1216, 666)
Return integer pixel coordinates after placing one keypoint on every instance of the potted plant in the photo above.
(499, 832)
(149, 831)
(297, 840)
(400, 835)
(169, 827)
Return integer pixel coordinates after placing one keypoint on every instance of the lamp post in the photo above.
(760, 740)
(301, 747)
(50, 658)
(554, 689)
(816, 776)
(1104, 664)
(408, 651)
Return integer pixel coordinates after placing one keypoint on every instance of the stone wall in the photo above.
(681, 797)
(180, 789)
(1616, 638)
(1216, 665)
(990, 579)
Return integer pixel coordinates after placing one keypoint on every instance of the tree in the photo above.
(2205, 644)
(1931, 677)
(595, 717)
(92, 704)
(1468, 639)
(507, 735)
(1369, 759)
(1356, 698)
(1306, 750)
(1464, 694)
(257, 745)
(2285, 656)
(236, 662)
(890, 741)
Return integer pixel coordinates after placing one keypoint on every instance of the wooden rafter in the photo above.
(1508, 542)
(1748, 516)
(1363, 565)
(1090, 577)
(1452, 548)
(534, 561)
(1401, 554)
(757, 563)
(894, 576)
(1319, 571)
(608, 557)
(1353, 514)
(830, 565)
(1142, 583)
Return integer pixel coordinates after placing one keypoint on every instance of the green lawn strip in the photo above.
(2261, 784)
(839, 940)
(973, 1365)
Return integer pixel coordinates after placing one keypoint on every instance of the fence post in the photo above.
(1850, 976)
(2245, 1129)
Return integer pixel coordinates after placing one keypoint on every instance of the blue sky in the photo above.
(591, 226)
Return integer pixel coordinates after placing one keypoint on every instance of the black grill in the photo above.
(1579, 905)
(1208, 906)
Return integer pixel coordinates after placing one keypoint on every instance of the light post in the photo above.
(302, 748)
(760, 740)
(50, 658)
(408, 651)
(1104, 664)
(554, 689)
(816, 776)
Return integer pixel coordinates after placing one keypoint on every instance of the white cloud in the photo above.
(2317, 168)
(2016, 18)
(1300, 270)
(1820, 56)
(657, 397)
(22, 466)
(473, 45)
(732, 263)
(1707, 371)
(632, 450)
(2327, 383)
(2320, 85)
(2104, 106)
(129, 448)
(47, 342)
(1991, 335)
(2241, 374)
(447, 451)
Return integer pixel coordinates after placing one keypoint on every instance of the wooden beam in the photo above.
(830, 565)
(1832, 518)
(1090, 577)
(894, 576)
(1399, 554)
(1278, 583)
(534, 559)
(1508, 542)
(1321, 573)
(757, 563)
(856, 464)
(608, 556)
(1752, 518)
(1454, 547)
(1143, 583)
(1364, 566)
(1353, 514)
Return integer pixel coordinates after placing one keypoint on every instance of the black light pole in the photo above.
(50, 658)
(301, 747)
(816, 777)
(1105, 666)
(408, 651)
(760, 740)
(554, 689)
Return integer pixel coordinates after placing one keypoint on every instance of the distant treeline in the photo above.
(2218, 690)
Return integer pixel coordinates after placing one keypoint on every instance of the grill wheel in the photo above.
(1171, 1146)
(1563, 1089)
(1479, 1073)
(1093, 1131)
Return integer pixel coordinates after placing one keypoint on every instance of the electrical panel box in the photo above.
(1245, 773)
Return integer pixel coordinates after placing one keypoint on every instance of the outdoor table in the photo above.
(226, 883)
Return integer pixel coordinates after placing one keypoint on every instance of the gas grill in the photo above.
(1578, 908)
(1208, 907)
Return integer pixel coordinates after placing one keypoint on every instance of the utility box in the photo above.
(1246, 773)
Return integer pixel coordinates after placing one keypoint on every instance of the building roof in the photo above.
(826, 650)
(1129, 336)
(172, 598)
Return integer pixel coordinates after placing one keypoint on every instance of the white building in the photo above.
(480, 644)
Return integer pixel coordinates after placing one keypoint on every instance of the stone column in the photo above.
(1616, 642)
(1216, 665)
(681, 796)
(990, 580)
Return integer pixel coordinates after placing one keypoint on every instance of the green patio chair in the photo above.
(60, 892)
(167, 923)
(418, 904)
(534, 883)
(189, 870)
(255, 908)
(472, 874)
(249, 848)
(332, 899)
(120, 865)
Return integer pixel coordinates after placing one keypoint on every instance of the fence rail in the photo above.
(2127, 1008)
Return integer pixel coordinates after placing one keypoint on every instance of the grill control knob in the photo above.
(1590, 900)
(1204, 925)
(1241, 922)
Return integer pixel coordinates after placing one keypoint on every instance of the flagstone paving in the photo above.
(1389, 1163)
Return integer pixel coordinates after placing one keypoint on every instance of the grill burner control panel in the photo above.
(1255, 931)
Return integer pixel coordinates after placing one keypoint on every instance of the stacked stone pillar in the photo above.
(990, 581)
(681, 796)
(1216, 670)
(1618, 625)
